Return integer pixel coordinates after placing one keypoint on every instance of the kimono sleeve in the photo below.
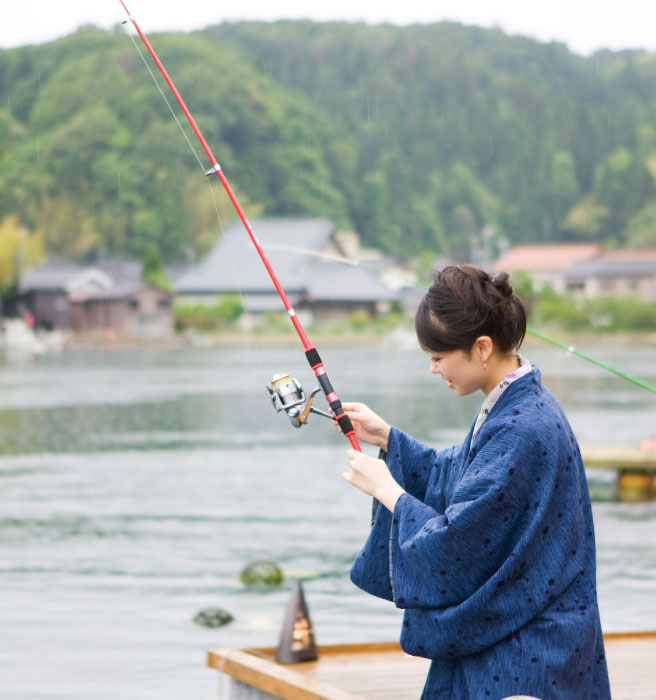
(442, 558)
(411, 464)
(482, 569)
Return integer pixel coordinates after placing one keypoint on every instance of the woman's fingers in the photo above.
(352, 414)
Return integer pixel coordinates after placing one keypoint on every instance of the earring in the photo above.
(484, 365)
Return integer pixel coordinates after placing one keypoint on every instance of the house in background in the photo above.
(585, 270)
(620, 273)
(304, 254)
(546, 264)
(64, 296)
(44, 292)
(128, 310)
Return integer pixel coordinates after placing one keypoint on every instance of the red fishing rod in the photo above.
(283, 386)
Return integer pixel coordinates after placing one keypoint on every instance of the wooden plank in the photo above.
(631, 666)
(627, 636)
(384, 672)
(272, 678)
(619, 458)
(328, 649)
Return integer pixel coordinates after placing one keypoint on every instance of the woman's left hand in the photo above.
(373, 477)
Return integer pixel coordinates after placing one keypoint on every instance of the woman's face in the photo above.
(460, 371)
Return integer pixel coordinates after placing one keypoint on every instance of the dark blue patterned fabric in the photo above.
(491, 553)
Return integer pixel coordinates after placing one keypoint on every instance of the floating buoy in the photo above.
(213, 617)
(262, 572)
(635, 487)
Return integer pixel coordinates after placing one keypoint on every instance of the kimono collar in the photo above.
(524, 368)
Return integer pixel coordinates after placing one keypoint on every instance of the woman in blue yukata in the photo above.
(488, 546)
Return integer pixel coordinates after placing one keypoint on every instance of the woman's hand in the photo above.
(373, 477)
(369, 427)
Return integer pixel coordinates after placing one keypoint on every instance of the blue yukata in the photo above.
(491, 554)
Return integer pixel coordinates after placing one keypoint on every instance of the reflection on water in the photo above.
(137, 484)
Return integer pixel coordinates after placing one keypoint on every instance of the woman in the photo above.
(488, 546)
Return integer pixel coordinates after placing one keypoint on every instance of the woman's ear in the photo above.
(483, 348)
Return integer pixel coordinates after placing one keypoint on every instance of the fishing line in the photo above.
(209, 186)
(161, 92)
(570, 349)
(311, 353)
(236, 277)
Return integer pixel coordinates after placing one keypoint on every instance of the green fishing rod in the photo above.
(531, 331)
(588, 358)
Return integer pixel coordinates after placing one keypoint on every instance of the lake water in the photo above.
(136, 484)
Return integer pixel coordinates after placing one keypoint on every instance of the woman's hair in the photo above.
(463, 303)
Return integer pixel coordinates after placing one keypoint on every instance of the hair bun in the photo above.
(500, 282)
(465, 303)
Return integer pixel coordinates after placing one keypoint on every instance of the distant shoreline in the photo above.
(399, 339)
(403, 338)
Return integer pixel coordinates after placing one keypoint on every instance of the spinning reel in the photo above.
(287, 395)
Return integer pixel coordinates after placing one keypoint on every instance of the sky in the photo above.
(584, 25)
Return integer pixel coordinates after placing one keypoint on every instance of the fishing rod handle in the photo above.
(344, 422)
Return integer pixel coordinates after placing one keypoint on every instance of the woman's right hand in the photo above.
(369, 427)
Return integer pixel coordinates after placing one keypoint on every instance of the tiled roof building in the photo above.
(302, 253)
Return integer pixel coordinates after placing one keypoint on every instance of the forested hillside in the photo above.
(91, 155)
(417, 137)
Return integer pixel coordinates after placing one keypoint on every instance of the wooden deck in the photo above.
(384, 672)
(636, 469)
(620, 458)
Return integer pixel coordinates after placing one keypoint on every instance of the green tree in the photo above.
(468, 207)
(153, 271)
(586, 219)
(564, 185)
(622, 184)
(641, 228)
(416, 137)
(19, 251)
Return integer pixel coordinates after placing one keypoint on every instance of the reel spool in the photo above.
(287, 395)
